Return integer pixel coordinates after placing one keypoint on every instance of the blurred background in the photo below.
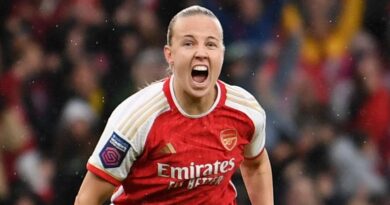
(320, 69)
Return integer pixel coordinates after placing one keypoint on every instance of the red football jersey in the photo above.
(155, 153)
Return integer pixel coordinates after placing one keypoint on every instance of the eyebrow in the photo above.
(208, 37)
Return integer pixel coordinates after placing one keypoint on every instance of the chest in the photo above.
(180, 141)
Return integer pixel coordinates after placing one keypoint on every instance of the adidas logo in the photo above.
(168, 149)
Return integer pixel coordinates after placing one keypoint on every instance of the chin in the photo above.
(199, 93)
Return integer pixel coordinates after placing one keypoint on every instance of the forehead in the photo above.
(198, 25)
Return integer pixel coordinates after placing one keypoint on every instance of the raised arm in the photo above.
(257, 177)
(94, 190)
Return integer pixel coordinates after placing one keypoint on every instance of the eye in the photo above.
(188, 43)
(211, 45)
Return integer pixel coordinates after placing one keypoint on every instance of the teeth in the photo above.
(200, 68)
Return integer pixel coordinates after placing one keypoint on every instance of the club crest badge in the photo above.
(114, 151)
(229, 138)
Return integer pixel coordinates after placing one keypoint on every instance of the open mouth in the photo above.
(199, 74)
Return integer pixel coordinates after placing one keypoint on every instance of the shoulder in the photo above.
(145, 102)
(240, 99)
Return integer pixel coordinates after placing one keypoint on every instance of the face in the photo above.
(195, 55)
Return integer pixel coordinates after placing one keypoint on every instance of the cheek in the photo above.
(218, 62)
(180, 62)
(179, 57)
(178, 69)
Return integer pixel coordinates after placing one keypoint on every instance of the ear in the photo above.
(168, 54)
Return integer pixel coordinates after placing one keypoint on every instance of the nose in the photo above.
(201, 52)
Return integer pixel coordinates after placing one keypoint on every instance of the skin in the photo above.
(94, 190)
(257, 176)
(203, 45)
(191, 46)
(194, 45)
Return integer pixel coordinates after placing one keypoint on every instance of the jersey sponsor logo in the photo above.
(195, 175)
(229, 138)
(114, 151)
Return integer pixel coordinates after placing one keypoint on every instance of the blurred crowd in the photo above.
(320, 69)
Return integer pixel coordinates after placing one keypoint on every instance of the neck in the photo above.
(195, 105)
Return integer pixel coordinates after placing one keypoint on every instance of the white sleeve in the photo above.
(114, 154)
(256, 146)
(124, 136)
(245, 102)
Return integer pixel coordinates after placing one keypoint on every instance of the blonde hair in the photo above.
(190, 11)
